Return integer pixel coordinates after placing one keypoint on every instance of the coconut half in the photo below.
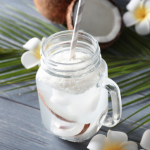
(54, 10)
(101, 18)
(82, 130)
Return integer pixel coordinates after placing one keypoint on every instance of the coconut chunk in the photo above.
(101, 18)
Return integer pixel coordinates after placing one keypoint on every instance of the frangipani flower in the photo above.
(114, 141)
(139, 15)
(145, 142)
(32, 57)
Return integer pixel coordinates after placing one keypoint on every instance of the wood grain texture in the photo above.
(21, 128)
(31, 100)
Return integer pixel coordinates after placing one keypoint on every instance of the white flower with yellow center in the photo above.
(116, 140)
(139, 15)
(32, 57)
(145, 142)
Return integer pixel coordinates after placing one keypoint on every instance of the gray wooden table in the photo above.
(20, 121)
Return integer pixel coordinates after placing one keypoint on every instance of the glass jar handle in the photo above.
(114, 91)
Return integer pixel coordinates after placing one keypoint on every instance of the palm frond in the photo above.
(144, 122)
(28, 92)
(140, 119)
(133, 114)
(19, 87)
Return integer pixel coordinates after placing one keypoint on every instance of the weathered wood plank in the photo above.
(128, 110)
(136, 135)
(31, 100)
(21, 128)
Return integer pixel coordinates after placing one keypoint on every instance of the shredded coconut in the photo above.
(63, 57)
(74, 85)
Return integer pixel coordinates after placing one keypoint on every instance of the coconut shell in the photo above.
(86, 126)
(69, 18)
(59, 117)
(54, 10)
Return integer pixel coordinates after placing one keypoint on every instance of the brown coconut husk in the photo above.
(86, 126)
(69, 18)
(59, 117)
(54, 10)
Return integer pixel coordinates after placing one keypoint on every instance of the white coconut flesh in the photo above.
(101, 19)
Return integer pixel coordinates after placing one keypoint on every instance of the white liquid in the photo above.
(79, 105)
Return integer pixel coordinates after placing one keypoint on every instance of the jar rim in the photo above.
(81, 33)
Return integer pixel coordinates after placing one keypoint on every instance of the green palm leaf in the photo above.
(148, 105)
(146, 121)
(140, 119)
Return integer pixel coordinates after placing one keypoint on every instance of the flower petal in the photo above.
(148, 16)
(145, 142)
(97, 142)
(147, 5)
(129, 146)
(133, 4)
(143, 27)
(60, 131)
(129, 19)
(116, 136)
(29, 60)
(43, 39)
(33, 44)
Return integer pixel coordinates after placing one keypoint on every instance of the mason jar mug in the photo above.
(73, 96)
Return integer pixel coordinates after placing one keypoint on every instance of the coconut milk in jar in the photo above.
(73, 94)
